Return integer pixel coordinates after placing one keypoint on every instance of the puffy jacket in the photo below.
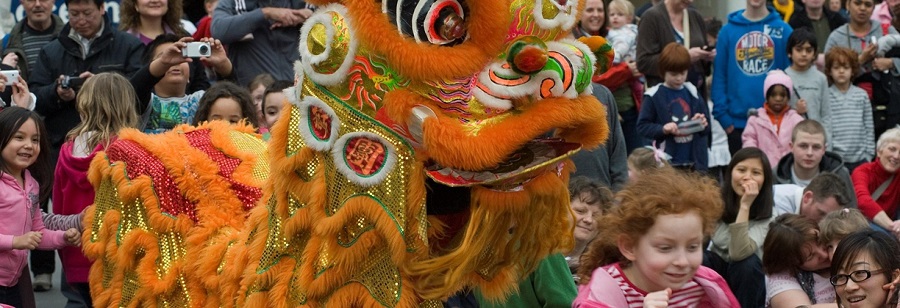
(20, 213)
(113, 51)
(760, 132)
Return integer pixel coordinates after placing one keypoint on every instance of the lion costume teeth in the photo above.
(392, 99)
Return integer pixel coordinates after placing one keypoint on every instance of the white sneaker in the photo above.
(42, 282)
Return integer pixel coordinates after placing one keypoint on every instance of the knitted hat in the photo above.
(778, 77)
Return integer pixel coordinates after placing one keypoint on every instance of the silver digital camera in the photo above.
(12, 76)
(196, 50)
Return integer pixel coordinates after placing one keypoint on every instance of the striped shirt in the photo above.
(33, 40)
(61, 222)
(688, 296)
(851, 127)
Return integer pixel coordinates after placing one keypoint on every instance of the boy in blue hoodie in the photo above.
(752, 43)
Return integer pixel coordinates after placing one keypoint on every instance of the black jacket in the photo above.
(831, 162)
(113, 51)
(800, 20)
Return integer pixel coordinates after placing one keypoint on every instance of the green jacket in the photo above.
(550, 285)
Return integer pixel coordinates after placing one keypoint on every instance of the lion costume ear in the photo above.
(602, 50)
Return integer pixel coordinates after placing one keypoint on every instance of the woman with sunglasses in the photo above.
(865, 270)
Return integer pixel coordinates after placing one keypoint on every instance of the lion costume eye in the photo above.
(439, 22)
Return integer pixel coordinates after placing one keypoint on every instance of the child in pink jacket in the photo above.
(22, 135)
(770, 130)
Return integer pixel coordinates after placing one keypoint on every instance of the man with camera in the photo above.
(88, 44)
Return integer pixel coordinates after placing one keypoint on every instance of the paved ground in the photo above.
(52, 298)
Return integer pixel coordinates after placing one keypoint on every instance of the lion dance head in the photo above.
(424, 151)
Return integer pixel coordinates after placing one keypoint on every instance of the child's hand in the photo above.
(670, 128)
(702, 118)
(73, 237)
(891, 288)
(801, 106)
(658, 299)
(28, 240)
(217, 59)
(172, 55)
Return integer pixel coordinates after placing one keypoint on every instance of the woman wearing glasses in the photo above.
(865, 270)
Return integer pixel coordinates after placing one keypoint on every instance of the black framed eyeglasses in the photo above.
(856, 276)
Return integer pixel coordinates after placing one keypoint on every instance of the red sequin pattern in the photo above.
(138, 162)
(201, 140)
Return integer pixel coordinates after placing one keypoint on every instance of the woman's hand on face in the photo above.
(751, 190)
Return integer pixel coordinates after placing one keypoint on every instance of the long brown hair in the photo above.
(129, 18)
(781, 249)
(657, 193)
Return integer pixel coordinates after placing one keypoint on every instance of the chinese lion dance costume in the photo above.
(423, 152)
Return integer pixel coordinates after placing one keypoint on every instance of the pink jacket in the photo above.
(602, 291)
(20, 213)
(882, 13)
(760, 133)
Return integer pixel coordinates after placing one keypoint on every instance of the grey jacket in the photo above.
(609, 162)
(270, 51)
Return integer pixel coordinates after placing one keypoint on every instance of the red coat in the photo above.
(866, 179)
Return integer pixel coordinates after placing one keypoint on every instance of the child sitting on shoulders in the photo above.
(770, 130)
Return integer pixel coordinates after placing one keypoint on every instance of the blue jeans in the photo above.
(745, 277)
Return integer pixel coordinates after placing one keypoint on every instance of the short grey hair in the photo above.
(891, 135)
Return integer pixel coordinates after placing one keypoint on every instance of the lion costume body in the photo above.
(392, 98)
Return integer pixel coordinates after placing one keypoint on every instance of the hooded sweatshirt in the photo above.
(745, 52)
(71, 197)
(830, 163)
(20, 213)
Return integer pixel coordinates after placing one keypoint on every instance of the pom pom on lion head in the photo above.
(424, 150)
